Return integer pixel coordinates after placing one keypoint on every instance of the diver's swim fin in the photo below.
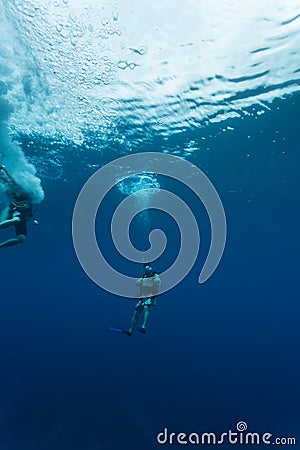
(116, 330)
(120, 330)
(129, 334)
(142, 330)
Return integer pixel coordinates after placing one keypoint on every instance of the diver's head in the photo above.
(147, 267)
(20, 195)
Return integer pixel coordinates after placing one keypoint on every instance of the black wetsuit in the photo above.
(22, 209)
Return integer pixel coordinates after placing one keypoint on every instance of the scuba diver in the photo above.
(19, 210)
(148, 284)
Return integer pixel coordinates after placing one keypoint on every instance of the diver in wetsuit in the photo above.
(19, 210)
(149, 284)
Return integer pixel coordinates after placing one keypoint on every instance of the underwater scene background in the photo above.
(82, 84)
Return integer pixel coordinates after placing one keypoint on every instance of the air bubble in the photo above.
(140, 51)
(104, 34)
(137, 183)
(122, 65)
(143, 50)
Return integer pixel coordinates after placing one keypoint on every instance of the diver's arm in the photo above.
(9, 180)
(139, 284)
(3, 168)
(139, 281)
(156, 284)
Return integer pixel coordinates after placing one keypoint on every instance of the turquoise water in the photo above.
(82, 85)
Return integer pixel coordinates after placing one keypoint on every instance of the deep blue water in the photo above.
(214, 354)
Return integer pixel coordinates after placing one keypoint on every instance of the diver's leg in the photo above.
(134, 320)
(20, 239)
(9, 222)
(146, 316)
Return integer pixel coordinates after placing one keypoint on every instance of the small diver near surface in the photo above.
(148, 284)
(19, 210)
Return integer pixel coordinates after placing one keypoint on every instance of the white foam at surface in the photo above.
(12, 156)
(14, 160)
(78, 66)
